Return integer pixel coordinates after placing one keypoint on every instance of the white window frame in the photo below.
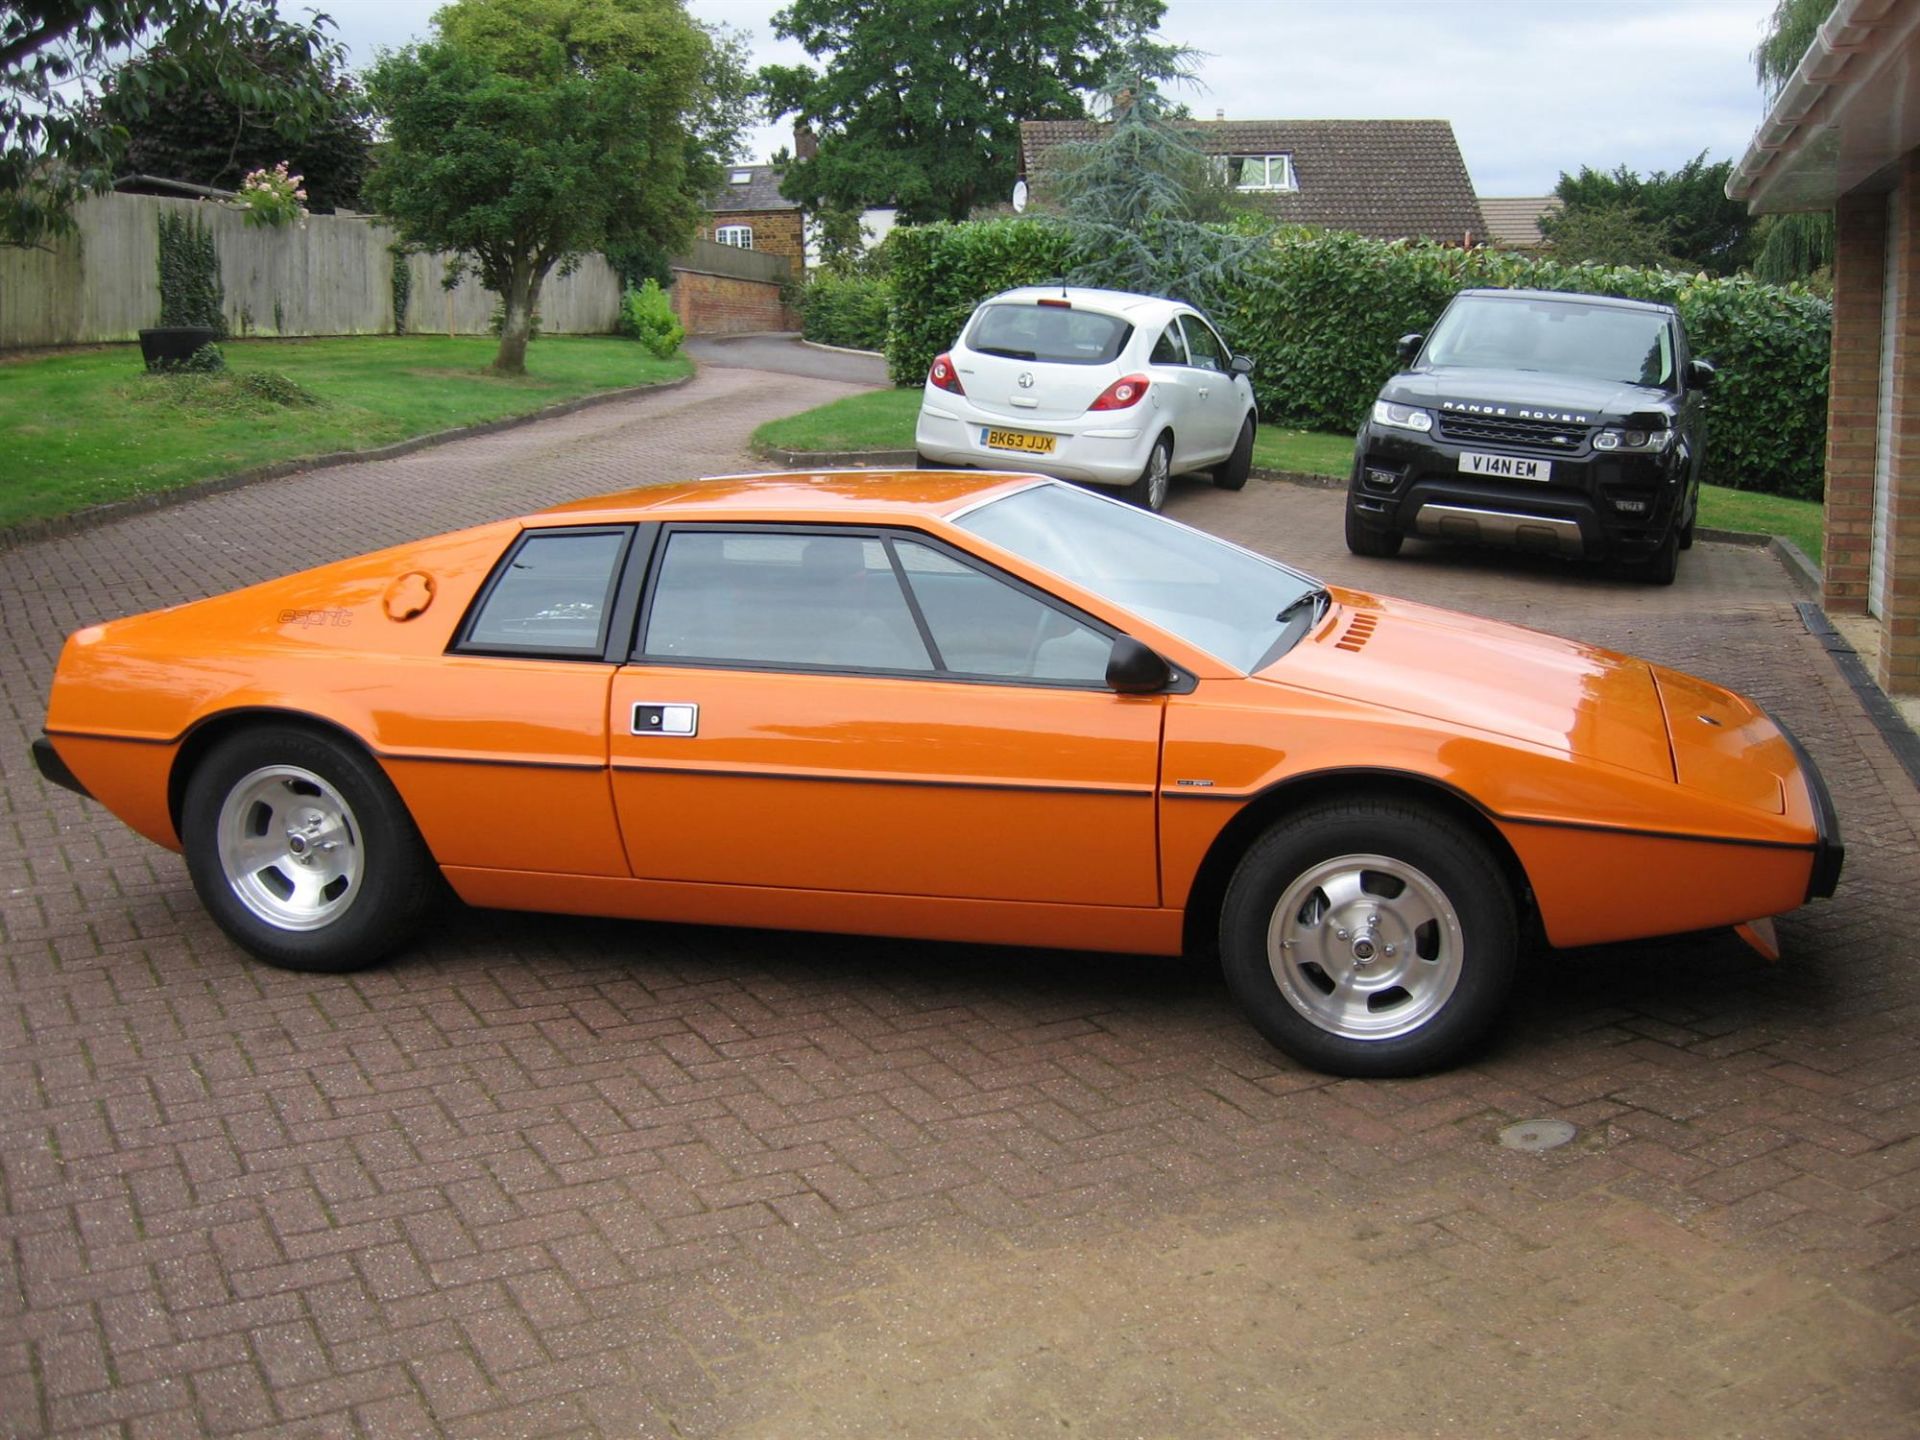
(1280, 176)
(738, 236)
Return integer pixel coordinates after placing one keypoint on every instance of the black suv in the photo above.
(1568, 424)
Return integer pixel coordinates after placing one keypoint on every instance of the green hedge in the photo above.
(1320, 312)
(847, 310)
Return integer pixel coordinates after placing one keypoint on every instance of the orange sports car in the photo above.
(952, 706)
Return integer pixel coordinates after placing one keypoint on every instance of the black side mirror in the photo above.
(1408, 347)
(1133, 669)
(1242, 365)
(1700, 374)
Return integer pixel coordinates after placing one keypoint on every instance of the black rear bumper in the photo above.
(48, 762)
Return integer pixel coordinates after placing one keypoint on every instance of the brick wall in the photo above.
(1900, 616)
(1859, 267)
(775, 232)
(724, 305)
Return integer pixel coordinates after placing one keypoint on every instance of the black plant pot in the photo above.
(171, 345)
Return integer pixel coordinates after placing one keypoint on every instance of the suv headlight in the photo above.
(1401, 417)
(1640, 442)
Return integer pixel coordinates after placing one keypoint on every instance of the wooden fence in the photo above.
(331, 276)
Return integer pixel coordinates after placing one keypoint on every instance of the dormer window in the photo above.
(741, 177)
(1261, 172)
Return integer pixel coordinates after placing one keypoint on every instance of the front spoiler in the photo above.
(1829, 852)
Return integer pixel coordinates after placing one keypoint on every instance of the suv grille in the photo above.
(1551, 436)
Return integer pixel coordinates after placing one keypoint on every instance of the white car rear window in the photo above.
(1052, 333)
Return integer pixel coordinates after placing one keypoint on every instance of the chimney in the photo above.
(806, 144)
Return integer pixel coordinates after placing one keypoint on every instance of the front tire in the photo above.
(1369, 938)
(1661, 567)
(1231, 474)
(1363, 539)
(1149, 492)
(302, 852)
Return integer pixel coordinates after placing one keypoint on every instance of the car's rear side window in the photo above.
(552, 595)
(1056, 334)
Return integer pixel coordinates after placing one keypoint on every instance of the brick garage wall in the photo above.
(1900, 619)
(1859, 267)
(726, 305)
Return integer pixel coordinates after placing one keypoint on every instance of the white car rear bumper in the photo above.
(1112, 453)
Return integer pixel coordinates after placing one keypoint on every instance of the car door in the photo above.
(1218, 410)
(868, 711)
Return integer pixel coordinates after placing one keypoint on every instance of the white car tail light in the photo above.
(944, 376)
(1122, 394)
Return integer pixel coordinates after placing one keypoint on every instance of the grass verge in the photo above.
(883, 420)
(84, 427)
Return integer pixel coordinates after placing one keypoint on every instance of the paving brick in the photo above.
(555, 1176)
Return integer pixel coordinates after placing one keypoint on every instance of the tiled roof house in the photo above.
(1513, 222)
(1389, 179)
(749, 211)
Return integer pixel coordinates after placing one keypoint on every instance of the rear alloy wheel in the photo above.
(1149, 492)
(302, 852)
(1369, 938)
(1231, 474)
(1363, 539)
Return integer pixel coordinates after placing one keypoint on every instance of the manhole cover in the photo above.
(1537, 1135)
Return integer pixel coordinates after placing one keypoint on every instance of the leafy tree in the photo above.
(1790, 30)
(531, 132)
(1702, 228)
(56, 147)
(1791, 247)
(1610, 234)
(919, 102)
(217, 126)
(1137, 199)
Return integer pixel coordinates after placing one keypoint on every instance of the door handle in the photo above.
(672, 717)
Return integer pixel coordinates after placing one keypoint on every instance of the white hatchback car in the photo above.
(1098, 386)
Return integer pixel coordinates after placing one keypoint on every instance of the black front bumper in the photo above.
(1829, 852)
(1411, 484)
(48, 762)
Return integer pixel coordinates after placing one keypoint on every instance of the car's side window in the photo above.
(1169, 349)
(986, 628)
(1205, 347)
(780, 598)
(552, 595)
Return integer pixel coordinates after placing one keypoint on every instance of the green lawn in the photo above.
(82, 427)
(883, 420)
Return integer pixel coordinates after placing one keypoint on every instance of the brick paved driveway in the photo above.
(552, 1176)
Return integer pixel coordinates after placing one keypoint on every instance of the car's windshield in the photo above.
(1225, 600)
(1051, 332)
(1559, 337)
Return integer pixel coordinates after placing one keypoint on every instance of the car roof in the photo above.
(838, 497)
(1612, 302)
(1123, 302)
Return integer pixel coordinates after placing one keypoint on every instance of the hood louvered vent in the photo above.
(1358, 633)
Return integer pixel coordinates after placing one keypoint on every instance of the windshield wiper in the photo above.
(1009, 354)
(1295, 619)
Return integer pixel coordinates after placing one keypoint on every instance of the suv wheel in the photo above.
(1663, 565)
(1363, 539)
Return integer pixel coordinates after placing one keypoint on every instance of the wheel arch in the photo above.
(1286, 797)
(208, 732)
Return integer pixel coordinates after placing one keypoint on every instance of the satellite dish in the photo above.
(1019, 197)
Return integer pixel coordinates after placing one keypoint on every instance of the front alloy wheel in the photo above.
(1370, 937)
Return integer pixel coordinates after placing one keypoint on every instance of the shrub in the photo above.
(846, 310)
(1320, 312)
(401, 283)
(646, 315)
(190, 290)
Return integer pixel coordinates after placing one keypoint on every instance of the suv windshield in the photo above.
(1560, 337)
(1053, 333)
(1230, 602)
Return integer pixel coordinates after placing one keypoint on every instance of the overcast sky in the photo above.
(1533, 87)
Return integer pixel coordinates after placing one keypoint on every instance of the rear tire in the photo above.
(302, 852)
(1149, 492)
(1363, 539)
(1231, 474)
